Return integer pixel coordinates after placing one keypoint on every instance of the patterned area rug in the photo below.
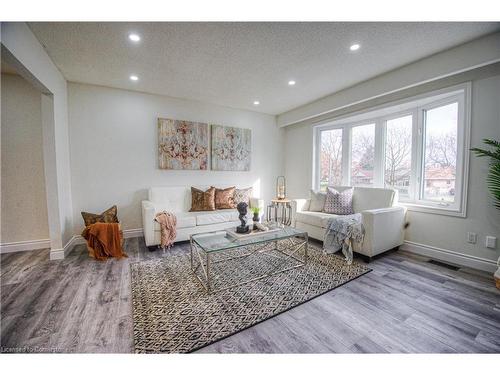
(172, 312)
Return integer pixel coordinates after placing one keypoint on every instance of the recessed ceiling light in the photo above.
(256, 102)
(291, 83)
(134, 37)
(354, 47)
(134, 78)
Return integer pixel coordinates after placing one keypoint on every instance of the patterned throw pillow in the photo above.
(339, 203)
(224, 198)
(242, 195)
(202, 200)
(108, 216)
(317, 201)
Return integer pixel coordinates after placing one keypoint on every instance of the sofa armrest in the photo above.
(298, 205)
(148, 217)
(257, 202)
(384, 229)
(301, 204)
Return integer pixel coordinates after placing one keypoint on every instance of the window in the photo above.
(362, 155)
(417, 146)
(331, 158)
(398, 140)
(440, 166)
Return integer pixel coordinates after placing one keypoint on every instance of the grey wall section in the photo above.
(446, 232)
(24, 202)
(113, 143)
(439, 231)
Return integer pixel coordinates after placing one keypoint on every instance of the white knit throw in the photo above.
(341, 231)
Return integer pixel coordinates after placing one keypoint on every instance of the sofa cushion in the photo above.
(219, 216)
(183, 221)
(214, 217)
(317, 201)
(373, 198)
(171, 198)
(339, 203)
(318, 219)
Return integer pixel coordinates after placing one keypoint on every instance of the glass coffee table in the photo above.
(220, 261)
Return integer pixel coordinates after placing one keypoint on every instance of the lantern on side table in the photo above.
(280, 188)
(280, 209)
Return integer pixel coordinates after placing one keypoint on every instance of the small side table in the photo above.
(280, 211)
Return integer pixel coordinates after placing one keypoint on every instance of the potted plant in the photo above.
(493, 179)
(256, 211)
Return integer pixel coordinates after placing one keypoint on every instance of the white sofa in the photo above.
(177, 199)
(382, 219)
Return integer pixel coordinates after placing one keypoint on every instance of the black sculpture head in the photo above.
(242, 208)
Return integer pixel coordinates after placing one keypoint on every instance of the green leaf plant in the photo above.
(493, 179)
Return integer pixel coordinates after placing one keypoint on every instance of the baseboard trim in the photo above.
(78, 240)
(57, 254)
(12, 247)
(130, 233)
(450, 256)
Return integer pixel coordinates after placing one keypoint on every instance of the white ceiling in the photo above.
(233, 64)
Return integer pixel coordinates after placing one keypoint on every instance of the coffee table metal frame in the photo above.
(294, 242)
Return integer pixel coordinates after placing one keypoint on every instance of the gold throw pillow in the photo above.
(224, 198)
(108, 216)
(202, 200)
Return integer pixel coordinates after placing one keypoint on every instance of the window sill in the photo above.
(435, 210)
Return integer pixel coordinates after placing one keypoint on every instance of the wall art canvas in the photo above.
(231, 148)
(182, 144)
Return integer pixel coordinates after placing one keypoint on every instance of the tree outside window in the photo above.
(331, 158)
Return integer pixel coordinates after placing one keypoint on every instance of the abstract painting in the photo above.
(231, 148)
(182, 144)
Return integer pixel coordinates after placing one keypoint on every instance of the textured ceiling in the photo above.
(233, 64)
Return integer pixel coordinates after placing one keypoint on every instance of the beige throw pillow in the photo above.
(317, 201)
(242, 195)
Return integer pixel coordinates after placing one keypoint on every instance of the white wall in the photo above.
(113, 144)
(21, 50)
(24, 203)
(434, 231)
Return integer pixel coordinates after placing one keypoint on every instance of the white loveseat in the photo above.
(177, 199)
(382, 219)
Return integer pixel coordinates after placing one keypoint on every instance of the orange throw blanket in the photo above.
(104, 240)
(168, 224)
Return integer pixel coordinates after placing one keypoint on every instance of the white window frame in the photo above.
(416, 107)
(382, 140)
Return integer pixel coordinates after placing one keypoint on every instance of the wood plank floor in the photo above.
(406, 305)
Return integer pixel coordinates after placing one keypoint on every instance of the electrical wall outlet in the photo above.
(471, 237)
(491, 242)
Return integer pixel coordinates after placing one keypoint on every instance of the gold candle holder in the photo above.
(281, 187)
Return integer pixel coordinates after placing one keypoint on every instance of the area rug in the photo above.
(172, 313)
